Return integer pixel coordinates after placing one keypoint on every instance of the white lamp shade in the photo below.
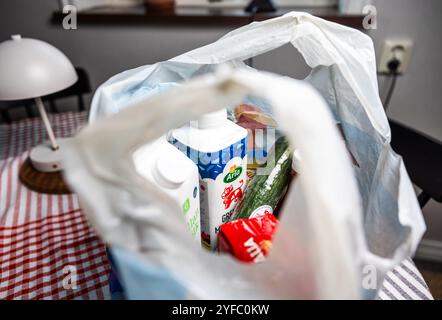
(31, 68)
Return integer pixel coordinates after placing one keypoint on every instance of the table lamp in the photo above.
(31, 68)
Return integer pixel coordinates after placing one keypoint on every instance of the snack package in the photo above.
(250, 174)
(261, 132)
(248, 240)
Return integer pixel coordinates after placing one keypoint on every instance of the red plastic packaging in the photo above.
(248, 240)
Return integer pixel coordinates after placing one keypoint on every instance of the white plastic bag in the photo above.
(319, 240)
(344, 72)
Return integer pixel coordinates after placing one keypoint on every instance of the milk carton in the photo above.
(218, 147)
(166, 167)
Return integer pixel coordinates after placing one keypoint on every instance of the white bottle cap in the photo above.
(166, 172)
(296, 162)
(209, 120)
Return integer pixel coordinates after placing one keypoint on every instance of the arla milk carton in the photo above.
(218, 147)
(163, 165)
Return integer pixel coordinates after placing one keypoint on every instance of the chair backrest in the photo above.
(422, 157)
(78, 89)
(81, 87)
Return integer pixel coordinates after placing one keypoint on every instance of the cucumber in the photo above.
(268, 189)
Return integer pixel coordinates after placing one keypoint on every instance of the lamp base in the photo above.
(42, 182)
(41, 171)
(45, 159)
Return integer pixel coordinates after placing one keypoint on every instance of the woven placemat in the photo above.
(43, 182)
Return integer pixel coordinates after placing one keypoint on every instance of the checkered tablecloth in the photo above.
(45, 239)
(47, 248)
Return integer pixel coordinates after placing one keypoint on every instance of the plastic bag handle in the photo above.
(246, 42)
(320, 42)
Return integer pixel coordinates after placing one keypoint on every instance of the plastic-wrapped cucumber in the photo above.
(266, 190)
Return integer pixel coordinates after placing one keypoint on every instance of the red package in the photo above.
(248, 240)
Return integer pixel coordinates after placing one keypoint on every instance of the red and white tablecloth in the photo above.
(44, 238)
(46, 245)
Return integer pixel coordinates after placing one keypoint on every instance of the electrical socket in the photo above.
(403, 54)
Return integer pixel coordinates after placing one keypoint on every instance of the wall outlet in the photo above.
(399, 48)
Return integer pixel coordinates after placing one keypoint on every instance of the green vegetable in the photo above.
(269, 188)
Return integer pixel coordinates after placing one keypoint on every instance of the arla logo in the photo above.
(234, 173)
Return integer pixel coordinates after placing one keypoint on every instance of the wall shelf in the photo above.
(197, 16)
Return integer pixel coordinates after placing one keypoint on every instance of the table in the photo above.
(42, 237)
(45, 240)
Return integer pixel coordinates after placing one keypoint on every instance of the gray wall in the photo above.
(417, 97)
(106, 50)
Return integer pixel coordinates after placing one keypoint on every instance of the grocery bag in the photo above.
(343, 227)
(133, 215)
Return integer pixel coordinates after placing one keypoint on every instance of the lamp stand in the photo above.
(41, 171)
(47, 156)
(44, 116)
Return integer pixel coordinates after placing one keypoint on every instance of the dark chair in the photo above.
(78, 89)
(423, 160)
